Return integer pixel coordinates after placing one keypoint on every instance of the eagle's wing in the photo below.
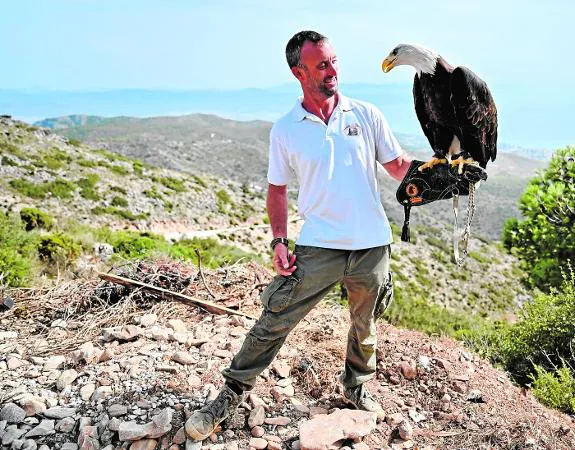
(476, 114)
(422, 113)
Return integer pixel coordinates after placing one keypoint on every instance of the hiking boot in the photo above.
(204, 421)
(360, 398)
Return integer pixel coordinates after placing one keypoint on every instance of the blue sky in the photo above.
(196, 44)
(523, 50)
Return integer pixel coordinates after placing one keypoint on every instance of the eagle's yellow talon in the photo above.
(433, 162)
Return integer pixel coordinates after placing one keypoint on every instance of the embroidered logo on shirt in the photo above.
(352, 130)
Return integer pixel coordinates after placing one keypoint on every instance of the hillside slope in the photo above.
(112, 368)
(237, 151)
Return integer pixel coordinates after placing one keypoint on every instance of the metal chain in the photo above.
(464, 237)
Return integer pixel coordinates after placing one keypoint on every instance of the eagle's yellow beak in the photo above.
(388, 64)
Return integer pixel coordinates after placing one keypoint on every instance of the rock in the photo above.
(160, 425)
(274, 445)
(237, 419)
(316, 410)
(67, 377)
(44, 428)
(416, 416)
(10, 435)
(296, 445)
(66, 425)
(29, 444)
(180, 436)
(405, 431)
(86, 352)
(442, 363)
(257, 416)
(342, 424)
(360, 446)
(12, 413)
(281, 368)
(13, 363)
(69, 446)
(131, 431)
(147, 320)
(177, 325)
(33, 405)
(101, 393)
(114, 424)
(117, 410)
(86, 391)
(122, 334)
(475, 396)
(256, 401)
(394, 420)
(144, 444)
(257, 431)
(258, 443)
(54, 362)
(88, 438)
(194, 381)
(408, 370)
(59, 412)
(106, 355)
(7, 335)
(158, 333)
(280, 421)
(185, 358)
(459, 387)
(193, 445)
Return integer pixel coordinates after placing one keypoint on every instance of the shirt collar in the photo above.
(299, 113)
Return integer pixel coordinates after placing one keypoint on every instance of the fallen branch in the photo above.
(211, 307)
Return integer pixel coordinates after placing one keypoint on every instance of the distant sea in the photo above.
(536, 120)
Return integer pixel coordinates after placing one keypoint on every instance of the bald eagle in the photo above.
(454, 107)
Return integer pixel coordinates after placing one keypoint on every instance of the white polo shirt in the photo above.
(335, 165)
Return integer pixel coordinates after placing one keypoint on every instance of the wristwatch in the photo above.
(279, 240)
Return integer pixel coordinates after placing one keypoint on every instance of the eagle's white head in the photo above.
(422, 59)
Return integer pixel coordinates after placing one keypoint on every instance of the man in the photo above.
(330, 144)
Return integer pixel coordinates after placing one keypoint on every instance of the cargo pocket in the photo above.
(279, 294)
(384, 298)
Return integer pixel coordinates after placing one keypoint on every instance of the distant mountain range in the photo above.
(527, 119)
(86, 126)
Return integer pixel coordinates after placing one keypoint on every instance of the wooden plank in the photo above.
(212, 306)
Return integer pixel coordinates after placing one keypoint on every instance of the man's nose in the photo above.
(332, 70)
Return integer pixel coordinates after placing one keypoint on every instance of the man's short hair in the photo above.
(295, 44)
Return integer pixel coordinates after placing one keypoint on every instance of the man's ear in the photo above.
(298, 72)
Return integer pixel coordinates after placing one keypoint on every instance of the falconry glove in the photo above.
(439, 182)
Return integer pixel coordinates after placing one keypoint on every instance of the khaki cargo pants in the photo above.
(287, 300)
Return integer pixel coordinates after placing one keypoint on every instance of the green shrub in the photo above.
(153, 193)
(59, 248)
(410, 310)
(118, 189)
(119, 170)
(29, 189)
(61, 188)
(34, 218)
(7, 161)
(199, 181)
(14, 150)
(119, 201)
(545, 238)
(120, 212)
(17, 252)
(172, 183)
(213, 253)
(544, 333)
(555, 389)
(223, 199)
(480, 257)
(138, 168)
(87, 162)
(87, 187)
(131, 244)
(75, 142)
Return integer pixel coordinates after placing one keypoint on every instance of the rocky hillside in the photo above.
(74, 181)
(91, 366)
(237, 151)
(71, 180)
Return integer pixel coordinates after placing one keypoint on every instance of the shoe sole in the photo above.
(195, 434)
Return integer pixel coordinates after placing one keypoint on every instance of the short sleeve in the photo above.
(386, 145)
(279, 170)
